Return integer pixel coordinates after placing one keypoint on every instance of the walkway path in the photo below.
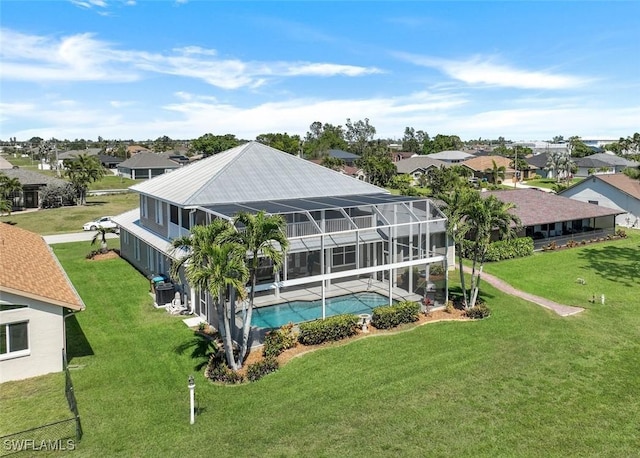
(560, 309)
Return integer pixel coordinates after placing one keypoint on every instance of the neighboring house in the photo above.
(452, 157)
(135, 149)
(397, 156)
(479, 165)
(547, 217)
(602, 163)
(538, 164)
(35, 298)
(175, 157)
(616, 191)
(417, 165)
(348, 158)
(32, 184)
(340, 229)
(146, 165)
(109, 162)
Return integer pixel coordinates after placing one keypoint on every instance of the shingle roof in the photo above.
(30, 269)
(149, 161)
(539, 160)
(618, 181)
(29, 177)
(482, 163)
(251, 172)
(4, 164)
(412, 164)
(344, 155)
(539, 207)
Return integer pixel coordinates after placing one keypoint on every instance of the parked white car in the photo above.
(105, 222)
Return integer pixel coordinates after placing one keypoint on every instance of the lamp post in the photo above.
(192, 387)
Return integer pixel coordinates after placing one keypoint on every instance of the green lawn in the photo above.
(71, 219)
(548, 183)
(523, 382)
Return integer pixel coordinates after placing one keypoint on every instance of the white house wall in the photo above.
(595, 190)
(45, 334)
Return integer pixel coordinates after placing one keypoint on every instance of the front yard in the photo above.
(524, 382)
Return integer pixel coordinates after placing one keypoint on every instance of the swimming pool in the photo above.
(275, 316)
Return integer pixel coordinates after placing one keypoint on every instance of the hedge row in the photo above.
(390, 316)
(503, 249)
(333, 328)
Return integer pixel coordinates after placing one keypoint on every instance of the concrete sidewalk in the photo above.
(560, 309)
(85, 236)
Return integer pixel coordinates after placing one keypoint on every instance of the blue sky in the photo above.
(144, 69)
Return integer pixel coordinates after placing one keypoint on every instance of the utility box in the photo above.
(164, 293)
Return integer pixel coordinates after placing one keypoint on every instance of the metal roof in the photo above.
(252, 172)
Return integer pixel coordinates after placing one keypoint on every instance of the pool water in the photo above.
(275, 316)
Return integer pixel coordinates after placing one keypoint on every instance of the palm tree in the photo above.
(457, 204)
(101, 235)
(216, 266)
(82, 171)
(487, 217)
(496, 172)
(9, 188)
(263, 238)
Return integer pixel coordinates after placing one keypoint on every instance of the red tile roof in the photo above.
(540, 207)
(29, 268)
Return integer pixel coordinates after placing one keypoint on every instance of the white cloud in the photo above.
(482, 70)
(82, 57)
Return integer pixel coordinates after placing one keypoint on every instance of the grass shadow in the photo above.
(613, 263)
(77, 343)
(201, 348)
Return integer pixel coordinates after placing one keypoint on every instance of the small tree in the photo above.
(82, 171)
(496, 172)
(101, 235)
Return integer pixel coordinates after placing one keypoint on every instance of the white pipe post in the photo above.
(192, 410)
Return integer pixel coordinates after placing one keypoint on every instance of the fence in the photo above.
(57, 436)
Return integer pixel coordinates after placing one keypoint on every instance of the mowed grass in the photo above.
(70, 219)
(523, 382)
(548, 183)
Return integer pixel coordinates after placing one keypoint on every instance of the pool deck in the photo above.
(337, 289)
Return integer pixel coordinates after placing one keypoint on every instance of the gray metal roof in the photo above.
(251, 172)
(148, 161)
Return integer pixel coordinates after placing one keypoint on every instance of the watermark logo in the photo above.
(22, 445)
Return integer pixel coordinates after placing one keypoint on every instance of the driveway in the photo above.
(85, 236)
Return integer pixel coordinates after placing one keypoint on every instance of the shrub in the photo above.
(478, 312)
(331, 329)
(57, 195)
(390, 316)
(449, 307)
(218, 371)
(258, 370)
(621, 233)
(279, 340)
(436, 269)
(503, 249)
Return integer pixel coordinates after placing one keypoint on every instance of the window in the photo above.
(14, 339)
(174, 214)
(344, 255)
(136, 248)
(159, 215)
(143, 207)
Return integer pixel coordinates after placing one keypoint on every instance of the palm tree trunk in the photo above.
(228, 343)
(462, 279)
(246, 325)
